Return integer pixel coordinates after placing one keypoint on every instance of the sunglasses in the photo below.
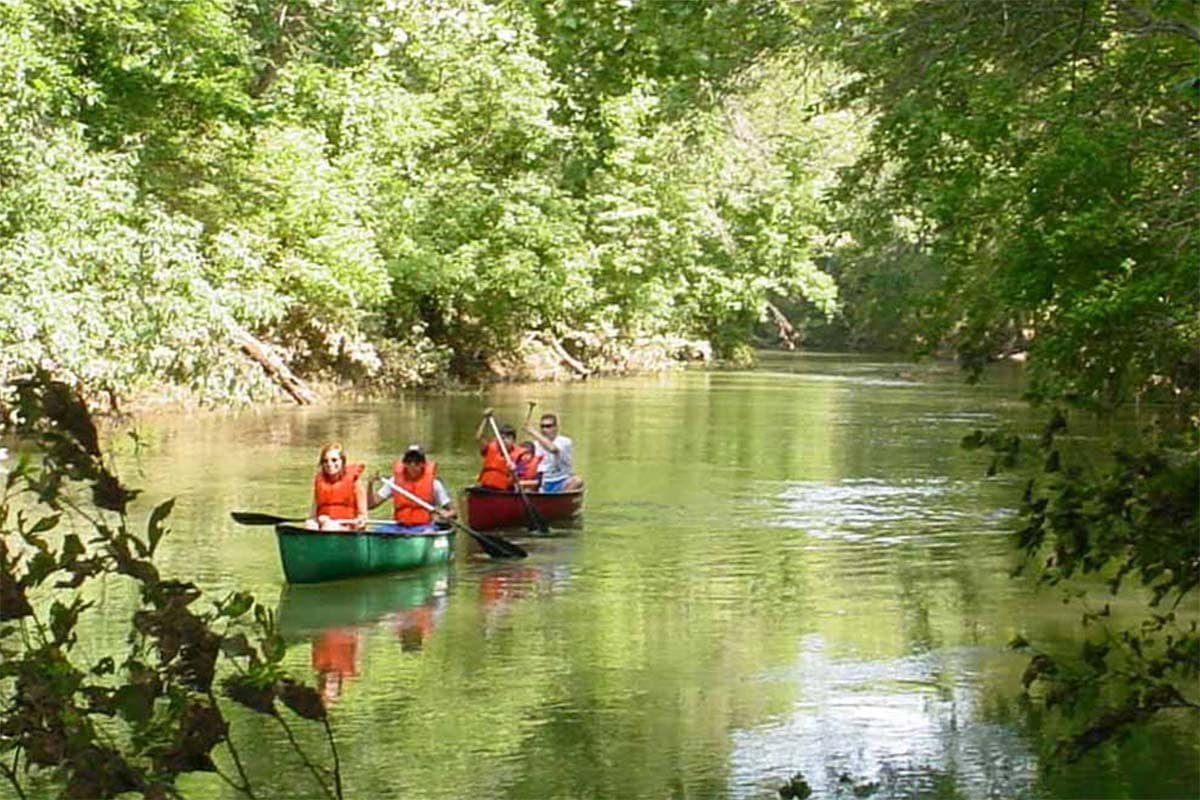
(549, 425)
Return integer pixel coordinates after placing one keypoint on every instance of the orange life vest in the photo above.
(335, 497)
(495, 473)
(405, 511)
(527, 466)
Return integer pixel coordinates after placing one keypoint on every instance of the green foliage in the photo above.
(1028, 186)
(691, 53)
(383, 192)
(104, 726)
(1136, 518)
(1036, 158)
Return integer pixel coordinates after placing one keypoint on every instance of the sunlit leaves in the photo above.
(385, 191)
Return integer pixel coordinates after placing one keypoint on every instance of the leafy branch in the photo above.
(129, 722)
(1135, 517)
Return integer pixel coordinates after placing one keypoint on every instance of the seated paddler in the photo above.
(414, 478)
(339, 497)
(557, 454)
(528, 464)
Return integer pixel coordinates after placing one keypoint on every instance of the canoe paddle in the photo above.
(255, 518)
(536, 520)
(494, 546)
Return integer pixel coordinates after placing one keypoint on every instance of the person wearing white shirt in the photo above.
(557, 454)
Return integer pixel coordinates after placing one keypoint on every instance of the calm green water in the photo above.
(790, 569)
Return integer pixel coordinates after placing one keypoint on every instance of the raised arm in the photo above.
(548, 444)
(482, 432)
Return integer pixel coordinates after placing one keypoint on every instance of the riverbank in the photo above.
(536, 359)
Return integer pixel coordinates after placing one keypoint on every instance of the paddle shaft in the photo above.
(535, 518)
(492, 546)
(258, 518)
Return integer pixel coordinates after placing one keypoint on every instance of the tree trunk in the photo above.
(788, 334)
(272, 365)
(575, 364)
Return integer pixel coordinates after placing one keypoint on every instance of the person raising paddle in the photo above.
(557, 453)
(339, 497)
(495, 473)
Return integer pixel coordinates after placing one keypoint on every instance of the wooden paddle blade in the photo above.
(257, 518)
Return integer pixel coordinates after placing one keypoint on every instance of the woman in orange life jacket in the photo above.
(339, 497)
(527, 462)
(495, 473)
(418, 476)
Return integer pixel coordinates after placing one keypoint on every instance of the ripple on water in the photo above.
(883, 512)
(902, 728)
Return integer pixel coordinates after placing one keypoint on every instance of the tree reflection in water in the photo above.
(911, 727)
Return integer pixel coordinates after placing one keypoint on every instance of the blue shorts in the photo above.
(554, 485)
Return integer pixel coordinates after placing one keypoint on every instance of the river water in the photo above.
(791, 569)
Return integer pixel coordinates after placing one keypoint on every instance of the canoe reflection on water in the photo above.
(335, 618)
(504, 586)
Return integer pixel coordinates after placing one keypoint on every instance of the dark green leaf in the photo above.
(45, 524)
(303, 700)
(242, 689)
(155, 529)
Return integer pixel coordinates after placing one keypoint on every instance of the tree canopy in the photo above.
(385, 192)
(1030, 184)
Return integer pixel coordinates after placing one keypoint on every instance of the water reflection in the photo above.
(335, 659)
(336, 617)
(504, 586)
(790, 569)
(911, 727)
(888, 512)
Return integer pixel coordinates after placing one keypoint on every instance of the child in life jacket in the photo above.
(527, 462)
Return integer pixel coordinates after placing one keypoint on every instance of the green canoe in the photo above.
(310, 556)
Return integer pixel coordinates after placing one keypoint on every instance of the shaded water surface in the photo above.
(794, 569)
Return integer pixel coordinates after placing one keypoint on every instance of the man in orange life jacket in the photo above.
(418, 476)
(495, 473)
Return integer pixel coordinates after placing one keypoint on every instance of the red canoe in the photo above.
(491, 508)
